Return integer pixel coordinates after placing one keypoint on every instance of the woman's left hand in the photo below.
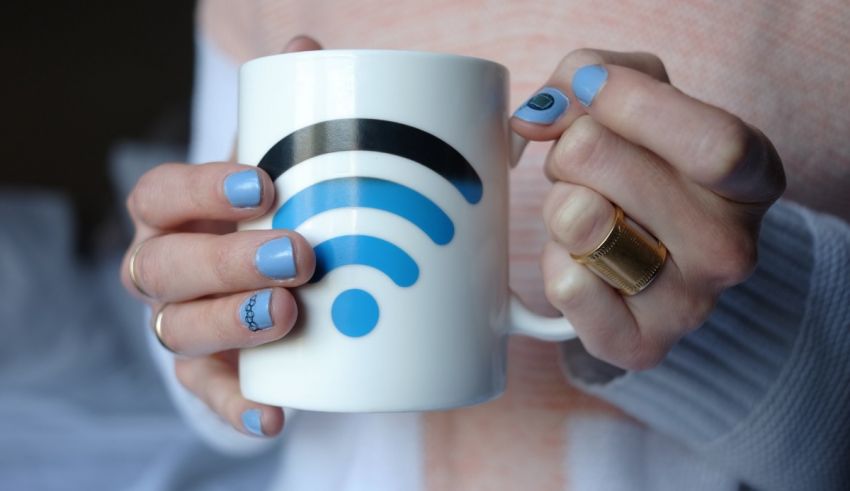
(693, 175)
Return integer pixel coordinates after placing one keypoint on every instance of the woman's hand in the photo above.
(696, 177)
(215, 290)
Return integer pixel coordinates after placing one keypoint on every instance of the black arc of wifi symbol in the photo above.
(341, 135)
(355, 312)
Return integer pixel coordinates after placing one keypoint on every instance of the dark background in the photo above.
(79, 76)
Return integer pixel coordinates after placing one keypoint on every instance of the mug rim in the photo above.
(342, 53)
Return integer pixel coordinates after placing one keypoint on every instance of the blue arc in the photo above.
(366, 192)
(367, 250)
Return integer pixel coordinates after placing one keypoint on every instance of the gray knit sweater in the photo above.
(762, 389)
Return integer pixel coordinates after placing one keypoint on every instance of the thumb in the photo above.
(301, 43)
(551, 110)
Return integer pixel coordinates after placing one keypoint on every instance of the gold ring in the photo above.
(157, 327)
(629, 258)
(132, 267)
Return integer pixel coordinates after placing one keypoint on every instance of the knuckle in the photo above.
(638, 103)
(635, 355)
(566, 290)
(170, 338)
(581, 221)
(735, 258)
(141, 198)
(221, 264)
(724, 148)
(578, 147)
(141, 203)
(147, 271)
(138, 202)
(554, 200)
(696, 311)
(125, 273)
(643, 353)
(645, 359)
(197, 194)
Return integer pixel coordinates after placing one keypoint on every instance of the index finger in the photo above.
(171, 195)
(708, 145)
(547, 122)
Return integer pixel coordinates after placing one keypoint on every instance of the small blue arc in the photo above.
(367, 250)
(366, 192)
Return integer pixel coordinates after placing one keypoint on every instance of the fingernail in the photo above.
(243, 189)
(251, 420)
(275, 260)
(254, 312)
(587, 82)
(544, 107)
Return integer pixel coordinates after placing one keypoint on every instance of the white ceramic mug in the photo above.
(394, 166)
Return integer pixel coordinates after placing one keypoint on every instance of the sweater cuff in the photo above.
(715, 376)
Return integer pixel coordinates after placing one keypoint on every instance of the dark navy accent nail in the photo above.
(544, 107)
(252, 421)
(588, 81)
(255, 313)
(243, 189)
(275, 259)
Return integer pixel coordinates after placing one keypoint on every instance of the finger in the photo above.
(577, 217)
(601, 318)
(243, 320)
(302, 43)
(170, 195)
(707, 144)
(578, 220)
(215, 382)
(675, 210)
(179, 267)
(536, 119)
(592, 156)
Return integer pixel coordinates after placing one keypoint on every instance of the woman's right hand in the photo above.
(214, 289)
(217, 289)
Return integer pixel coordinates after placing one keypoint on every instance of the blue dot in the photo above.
(355, 313)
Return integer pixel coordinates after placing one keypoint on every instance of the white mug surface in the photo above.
(394, 166)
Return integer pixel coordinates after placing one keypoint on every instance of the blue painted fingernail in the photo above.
(544, 107)
(275, 260)
(251, 420)
(254, 311)
(588, 81)
(243, 189)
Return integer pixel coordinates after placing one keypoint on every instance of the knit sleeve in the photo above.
(761, 389)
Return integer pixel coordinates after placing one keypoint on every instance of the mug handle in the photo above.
(521, 320)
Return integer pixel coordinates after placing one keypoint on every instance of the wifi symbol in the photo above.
(355, 312)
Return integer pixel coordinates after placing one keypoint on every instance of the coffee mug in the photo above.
(394, 166)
